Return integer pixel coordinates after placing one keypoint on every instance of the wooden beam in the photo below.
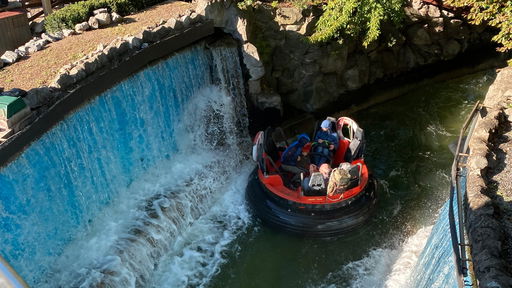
(47, 7)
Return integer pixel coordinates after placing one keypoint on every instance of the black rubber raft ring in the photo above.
(312, 221)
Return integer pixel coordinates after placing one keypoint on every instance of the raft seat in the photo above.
(339, 157)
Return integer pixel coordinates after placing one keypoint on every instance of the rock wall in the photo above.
(489, 187)
(310, 77)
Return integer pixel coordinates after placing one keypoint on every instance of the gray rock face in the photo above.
(116, 18)
(9, 57)
(34, 46)
(173, 24)
(134, 42)
(451, 48)
(100, 11)
(104, 19)
(489, 187)
(68, 32)
(37, 27)
(50, 37)
(81, 27)
(288, 15)
(148, 36)
(62, 81)
(93, 23)
(418, 35)
(224, 15)
(252, 61)
(38, 97)
(186, 21)
(57, 36)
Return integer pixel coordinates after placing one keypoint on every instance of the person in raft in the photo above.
(318, 179)
(326, 141)
(293, 153)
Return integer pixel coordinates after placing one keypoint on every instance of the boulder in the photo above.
(437, 24)
(15, 92)
(56, 36)
(148, 36)
(104, 19)
(77, 73)
(252, 61)
(68, 32)
(268, 100)
(186, 21)
(160, 32)
(81, 27)
(34, 46)
(9, 57)
(38, 97)
(93, 23)
(173, 24)
(134, 42)
(334, 61)
(50, 37)
(351, 78)
(100, 11)
(288, 15)
(20, 51)
(195, 18)
(63, 81)
(91, 65)
(116, 18)
(450, 48)
(37, 27)
(418, 35)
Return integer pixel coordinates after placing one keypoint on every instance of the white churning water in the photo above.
(146, 179)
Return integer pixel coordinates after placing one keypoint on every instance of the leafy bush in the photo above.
(356, 18)
(494, 13)
(69, 16)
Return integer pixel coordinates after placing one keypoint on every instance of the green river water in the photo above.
(407, 151)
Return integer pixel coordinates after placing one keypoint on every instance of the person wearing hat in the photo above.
(293, 153)
(326, 142)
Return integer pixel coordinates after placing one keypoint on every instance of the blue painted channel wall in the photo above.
(60, 183)
(436, 266)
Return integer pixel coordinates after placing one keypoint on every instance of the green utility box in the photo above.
(10, 105)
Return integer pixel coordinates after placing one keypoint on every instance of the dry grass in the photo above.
(41, 67)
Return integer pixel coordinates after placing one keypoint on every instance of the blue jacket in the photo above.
(327, 136)
(290, 155)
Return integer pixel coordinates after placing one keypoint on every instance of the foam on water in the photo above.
(130, 178)
(383, 267)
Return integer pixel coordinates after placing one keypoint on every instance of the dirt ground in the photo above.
(40, 68)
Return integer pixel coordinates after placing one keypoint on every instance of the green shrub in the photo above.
(493, 13)
(69, 16)
(360, 19)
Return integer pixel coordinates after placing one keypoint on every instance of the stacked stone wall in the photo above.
(311, 77)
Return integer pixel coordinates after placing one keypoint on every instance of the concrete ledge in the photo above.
(98, 83)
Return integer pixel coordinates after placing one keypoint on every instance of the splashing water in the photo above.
(140, 174)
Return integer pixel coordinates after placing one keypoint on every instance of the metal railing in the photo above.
(9, 277)
(458, 174)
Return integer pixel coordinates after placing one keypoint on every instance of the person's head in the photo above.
(325, 169)
(326, 124)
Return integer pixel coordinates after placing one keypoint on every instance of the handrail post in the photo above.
(47, 7)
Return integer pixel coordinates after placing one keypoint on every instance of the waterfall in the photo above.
(131, 178)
